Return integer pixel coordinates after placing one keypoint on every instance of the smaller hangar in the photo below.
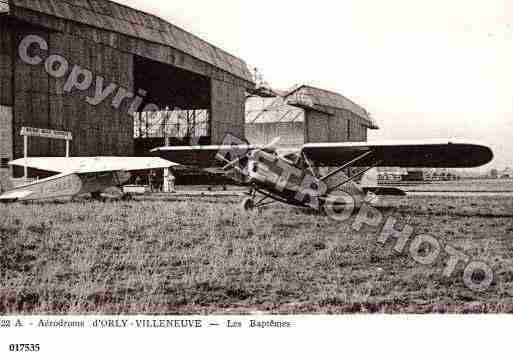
(306, 114)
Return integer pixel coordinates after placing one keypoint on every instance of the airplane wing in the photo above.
(78, 175)
(431, 153)
(204, 156)
(92, 164)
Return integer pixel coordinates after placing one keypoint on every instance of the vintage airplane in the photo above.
(78, 176)
(291, 176)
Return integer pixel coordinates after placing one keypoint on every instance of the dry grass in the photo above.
(163, 257)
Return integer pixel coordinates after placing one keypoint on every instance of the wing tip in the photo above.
(487, 154)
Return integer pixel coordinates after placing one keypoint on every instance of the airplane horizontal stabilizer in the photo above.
(385, 191)
(14, 195)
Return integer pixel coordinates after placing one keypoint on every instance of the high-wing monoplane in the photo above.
(78, 176)
(292, 176)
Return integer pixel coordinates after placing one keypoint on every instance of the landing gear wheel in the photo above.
(248, 204)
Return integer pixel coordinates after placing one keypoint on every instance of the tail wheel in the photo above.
(248, 204)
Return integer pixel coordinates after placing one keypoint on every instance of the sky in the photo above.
(423, 69)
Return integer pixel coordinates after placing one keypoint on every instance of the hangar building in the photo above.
(86, 66)
(306, 114)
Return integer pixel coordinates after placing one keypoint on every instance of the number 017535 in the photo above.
(24, 347)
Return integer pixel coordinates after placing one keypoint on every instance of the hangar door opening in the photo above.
(6, 142)
(182, 111)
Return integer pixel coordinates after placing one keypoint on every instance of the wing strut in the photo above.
(309, 164)
(354, 176)
(348, 164)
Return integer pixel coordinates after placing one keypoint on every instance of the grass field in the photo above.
(159, 257)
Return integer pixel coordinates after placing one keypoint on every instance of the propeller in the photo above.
(271, 146)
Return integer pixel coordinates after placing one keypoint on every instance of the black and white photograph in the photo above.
(187, 164)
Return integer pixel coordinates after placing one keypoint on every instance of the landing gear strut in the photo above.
(250, 203)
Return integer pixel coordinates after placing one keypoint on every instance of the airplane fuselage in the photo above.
(68, 185)
(280, 179)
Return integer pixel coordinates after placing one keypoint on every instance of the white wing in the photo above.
(92, 164)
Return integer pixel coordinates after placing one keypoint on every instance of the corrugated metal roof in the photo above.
(312, 97)
(315, 96)
(287, 105)
(271, 110)
(118, 18)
